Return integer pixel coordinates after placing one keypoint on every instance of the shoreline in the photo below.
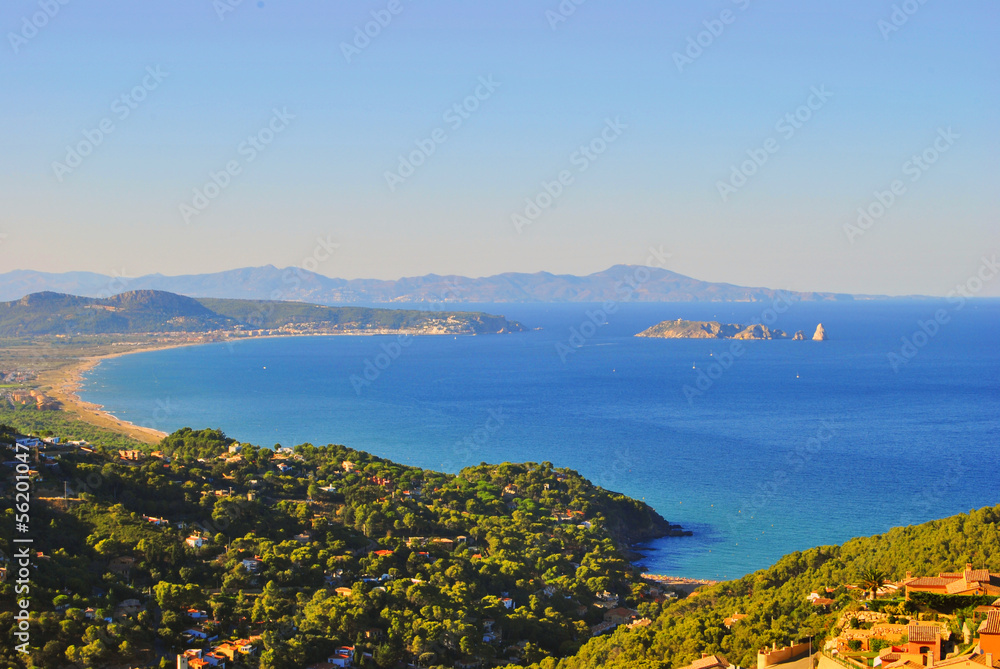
(64, 383)
(681, 583)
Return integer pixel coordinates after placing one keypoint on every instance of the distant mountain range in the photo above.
(153, 311)
(621, 282)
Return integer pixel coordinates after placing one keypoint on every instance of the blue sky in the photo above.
(345, 121)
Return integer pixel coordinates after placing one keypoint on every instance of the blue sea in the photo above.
(763, 449)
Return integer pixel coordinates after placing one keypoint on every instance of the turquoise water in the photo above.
(793, 445)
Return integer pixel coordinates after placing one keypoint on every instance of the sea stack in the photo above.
(820, 334)
(799, 336)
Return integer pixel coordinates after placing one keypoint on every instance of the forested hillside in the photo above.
(310, 548)
(774, 599)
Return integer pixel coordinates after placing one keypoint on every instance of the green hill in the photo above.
(426, 563)
(774, 599)
(345, 548)
(148, 311)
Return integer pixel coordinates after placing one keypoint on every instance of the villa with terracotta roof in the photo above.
(968, 661)
(969, 582)
(924, 640)
(989, 634)
(733, 619)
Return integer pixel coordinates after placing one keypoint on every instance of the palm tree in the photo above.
(872, 578)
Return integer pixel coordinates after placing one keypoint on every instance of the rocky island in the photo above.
(681, 329)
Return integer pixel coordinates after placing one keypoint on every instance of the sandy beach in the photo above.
(63, 384)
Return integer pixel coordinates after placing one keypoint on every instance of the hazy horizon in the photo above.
(120, 283)
(289, 126)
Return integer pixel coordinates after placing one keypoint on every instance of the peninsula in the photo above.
(155, 311)
(204, 547)
(681, 329)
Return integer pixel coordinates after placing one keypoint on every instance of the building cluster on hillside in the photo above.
(968, 582)
(25, 396)
(872, 639)
(218, 655)
(908, 643)
(342, 657)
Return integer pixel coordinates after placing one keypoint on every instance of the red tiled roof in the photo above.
(992, 623)
(932, 581)
(709, 662)
(922, 633)
(621, 611)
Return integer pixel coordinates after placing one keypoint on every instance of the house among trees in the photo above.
(620, 616)
(733, 619)
(253, 564)
(122, 564)
(969, 582)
